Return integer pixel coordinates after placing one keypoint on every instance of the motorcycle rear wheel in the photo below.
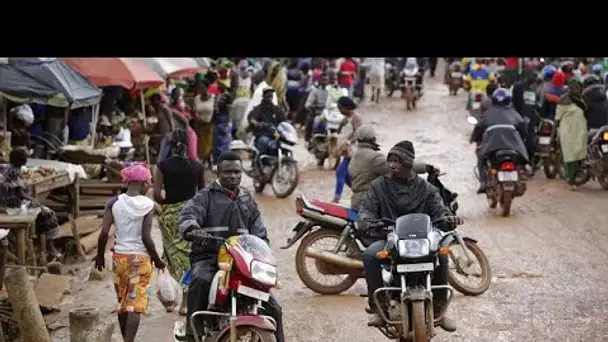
(306, 277)
(419, 325)
(486, 271)
(505, 203)
(582, 177)
(550, 170)
(263, 335)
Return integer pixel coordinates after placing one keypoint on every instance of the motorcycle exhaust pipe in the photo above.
(333, 258)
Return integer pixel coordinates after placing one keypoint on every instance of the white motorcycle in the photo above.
(325, 145)
(280, 170)
(411, 89)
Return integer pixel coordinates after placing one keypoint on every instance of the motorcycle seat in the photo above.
(333, 209)
(505, 154)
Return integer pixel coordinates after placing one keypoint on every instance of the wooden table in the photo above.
(24, 226)
(46, 184)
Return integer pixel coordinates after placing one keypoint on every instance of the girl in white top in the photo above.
(134, 250)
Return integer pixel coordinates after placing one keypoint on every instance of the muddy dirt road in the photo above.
(548, 258)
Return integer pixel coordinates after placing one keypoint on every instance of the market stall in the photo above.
(44, 176)
(45, 81)
(124, 72)
(172, 67)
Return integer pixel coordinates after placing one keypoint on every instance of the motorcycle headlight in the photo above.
(414, 248)
(264, 273)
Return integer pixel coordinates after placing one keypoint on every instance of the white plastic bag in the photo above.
(167, 289)
(24, 113)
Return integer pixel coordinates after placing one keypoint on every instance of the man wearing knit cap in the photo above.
(399, 193)
(368, 163)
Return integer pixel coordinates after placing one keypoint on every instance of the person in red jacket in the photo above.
(348, 70)
(511, 72)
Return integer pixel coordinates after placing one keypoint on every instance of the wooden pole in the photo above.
(25, 306)
(3, 250)
(82, 321)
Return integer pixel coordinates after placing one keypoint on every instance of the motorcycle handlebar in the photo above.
(198, 237)
(387, 223)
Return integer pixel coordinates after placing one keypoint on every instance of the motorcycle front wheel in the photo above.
(457, 269)
(285, 178)
(249, 333)
(419, 322)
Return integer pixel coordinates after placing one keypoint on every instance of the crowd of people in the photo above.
(381, 185)
(570, 93)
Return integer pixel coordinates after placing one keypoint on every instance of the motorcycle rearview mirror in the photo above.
(472, 120)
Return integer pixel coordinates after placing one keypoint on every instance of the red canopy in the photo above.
(124, 72)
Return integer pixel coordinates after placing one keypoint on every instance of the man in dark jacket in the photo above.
(368, 163)
(597, 103)
(502, 129)
(524, 102)
(263, 121)
(399, 193)
(221, 209)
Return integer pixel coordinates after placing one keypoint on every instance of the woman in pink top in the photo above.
(134, 252)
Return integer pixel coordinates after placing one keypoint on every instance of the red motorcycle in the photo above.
(247, 272)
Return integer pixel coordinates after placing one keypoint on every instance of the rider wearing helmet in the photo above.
(501, 129)
(547, 76)
(594, 95)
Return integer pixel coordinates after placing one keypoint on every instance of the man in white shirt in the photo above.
(376, 77)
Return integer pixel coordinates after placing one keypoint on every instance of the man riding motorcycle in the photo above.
(412, 63)
(263, 121)
(524, 102)
(316, 103)
(368, 163)
(390, 196)
(501, 129)
(594, 95)
(222, 209)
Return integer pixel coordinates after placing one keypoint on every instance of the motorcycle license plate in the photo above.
(476, 105)
(410, 79)
(407, 268)
(508, 176)
(604, 148)
(544, 140)
(253, 293)
(456, 74)
(332, 125)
